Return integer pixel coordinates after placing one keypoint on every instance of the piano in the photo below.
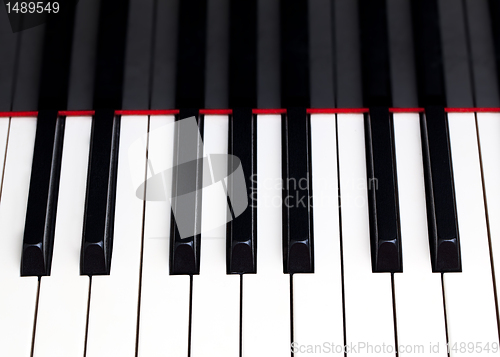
(250, 178)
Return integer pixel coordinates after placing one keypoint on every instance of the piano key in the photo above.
(294, 55)
(191, 47)
(112, 321)
(25, 96)
(268, 54)
(216, 296)
(440, 192)
(428, 52)
(164, 299)
(4, 137)
(374, 53)
(403, 76)
(136, 89)
(42, 200)
(385, 230)
(488, 126)
(18, 295)
(243, 54)
(456, 59)
(266, 295)
(482, 53)
(368, 297)
(494, 11)
(298, 251)
(186, 211)
(425, 325)
(347, 54)
(63, 299)
(469, 296)
(217, 54)
(242, 230)
(98, 229)
(81, 82)
(9, 43)
(321, 54)
(317, 298)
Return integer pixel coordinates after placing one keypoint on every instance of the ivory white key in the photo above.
(4, 132)
(18, 294)
(114, 298)
(368, 296)
(418, 291)
(489, 129)
(164, 314)
(469, 296)
(317, 298)
(216, 295)
(266, 295)
(63, 300)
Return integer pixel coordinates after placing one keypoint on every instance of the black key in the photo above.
(429, 58)
(44, 185)
(187, 175)
(347, 69)
(298, 254)
(482, 54)
(456, 60)
(374, 53)
(191, 46)
(9, 43)
(187, 178)
(495, 26)
(242, 230)
(294, 54)
(439, 188)
(440, 192)
(385, 232)
(103, 160)
(403, 76)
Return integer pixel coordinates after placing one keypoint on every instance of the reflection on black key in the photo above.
(187, 178)
(103, 160)
(440, 193)
(385, 233)
(44, 185)
(297, 193)
(242, 230)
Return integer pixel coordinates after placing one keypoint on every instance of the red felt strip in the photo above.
(406, 110)
(337, 110)
(216, 111)
(18, 114)
(472, 110)
(148, 112)
(269, 111)
(76, 113)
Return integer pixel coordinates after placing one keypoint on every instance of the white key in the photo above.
(418, 291)
(489, 130)
(469, 297)
(4, 132)
(216, 295)
(114, 298)
(317, 298)
(368, 296)
(164, 316)
(63, 300)
(266, 295)
(17, 295)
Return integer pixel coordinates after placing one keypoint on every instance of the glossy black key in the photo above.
(190, 97)
(103, 160)
(494, 8)
(439, 187)
(297, 206)
(440, 193)
(187, 178)
(242, 230)
(9, 43)
(44, 184)
(385, 232)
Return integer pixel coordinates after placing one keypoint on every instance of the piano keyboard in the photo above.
(367, 134)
